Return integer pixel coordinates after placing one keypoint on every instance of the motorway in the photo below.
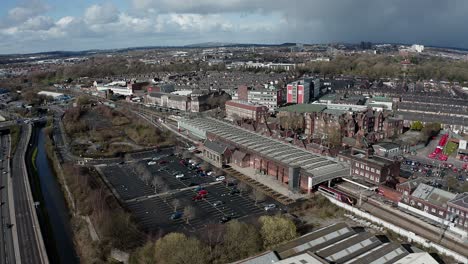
(7, 253)
(31, 245)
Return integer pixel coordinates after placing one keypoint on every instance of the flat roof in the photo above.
(433, 195)
(386, 253)
(349, 248)
(305, 258)
(303, 108)
(417, 258)
(272, 149)
(315, 240)
(47, 93)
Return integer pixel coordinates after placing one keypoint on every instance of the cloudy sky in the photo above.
(46, 25)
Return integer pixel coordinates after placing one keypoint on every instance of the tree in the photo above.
(83, 100)
(144, 254)
(189, 213)
(186, 154)
(276, 230)
(243, 188)
(175, 203)
(258, 196)
(205, 166)
(121, 230)
(164, 188)
(452, 182)
(465, 187)
(213, 236)
(416, 125)
(240, 241)
(178, 249)
(157, 182)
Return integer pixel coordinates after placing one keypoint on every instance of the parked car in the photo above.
(225, 219)
(270, 207)
(210, 173)
(198, 197)
(218, 203)
(192, 148)
(202, 192)
(230, 183)
(220, 178)
(178, 176)
(151, 163)
(162, 162)
(234, 191)
(176, 215)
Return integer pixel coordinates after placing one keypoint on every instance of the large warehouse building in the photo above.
(289, 164)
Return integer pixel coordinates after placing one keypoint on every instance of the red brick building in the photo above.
(458, 207)
(431, 200)
(373, 169)
(242, 109)
(243, 93)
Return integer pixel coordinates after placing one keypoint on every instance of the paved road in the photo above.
(29, 234)
(7, 253)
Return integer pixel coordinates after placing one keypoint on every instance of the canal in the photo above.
(52, 211)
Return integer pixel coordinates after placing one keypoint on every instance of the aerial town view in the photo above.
(247, 132)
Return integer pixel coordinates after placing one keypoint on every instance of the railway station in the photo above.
(293, 166)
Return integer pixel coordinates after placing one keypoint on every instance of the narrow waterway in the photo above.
(59, 235)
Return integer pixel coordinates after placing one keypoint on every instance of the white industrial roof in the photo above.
(417, 258)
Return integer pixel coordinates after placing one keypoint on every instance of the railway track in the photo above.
(407, 222)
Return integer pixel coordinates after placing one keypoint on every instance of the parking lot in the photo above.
(155, 203)
(436, 173)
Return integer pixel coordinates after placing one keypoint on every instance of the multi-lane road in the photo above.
(7, 253)
(30, 242)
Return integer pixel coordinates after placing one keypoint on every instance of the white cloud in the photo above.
(28, 10)
(101, 14)
(188, 22)
(38, 23)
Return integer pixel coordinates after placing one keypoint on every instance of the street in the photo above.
(7, 253)
(31, 245)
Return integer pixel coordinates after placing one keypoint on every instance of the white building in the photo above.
(417, 48)
(54, 96)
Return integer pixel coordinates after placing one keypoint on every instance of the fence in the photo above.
(400, 231)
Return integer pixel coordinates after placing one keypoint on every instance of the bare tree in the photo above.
(146, 176)
(186, 154)
(157, 183)
(243, 188)
(205, 166)
(189, 213)
(258, 196)
(164, 188)
(217, 172)
(175, 203)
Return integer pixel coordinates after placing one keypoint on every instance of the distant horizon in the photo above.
(35, 26)
(213, 44)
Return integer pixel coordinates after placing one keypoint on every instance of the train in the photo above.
(336, 194)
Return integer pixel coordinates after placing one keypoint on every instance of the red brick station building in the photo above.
(289, 164)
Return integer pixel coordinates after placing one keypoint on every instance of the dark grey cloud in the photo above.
(179, 22)
(432, 22)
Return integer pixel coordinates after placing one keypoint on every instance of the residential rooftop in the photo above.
(433, 195)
